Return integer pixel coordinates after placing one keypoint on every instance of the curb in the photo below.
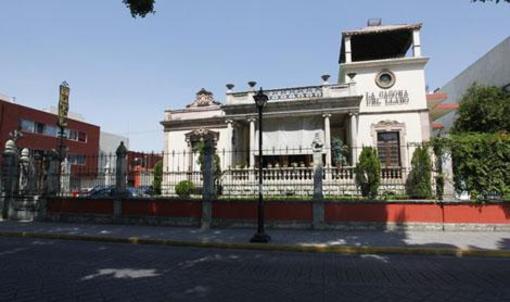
(345, 250)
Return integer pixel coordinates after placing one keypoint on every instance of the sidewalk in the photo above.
(351, 242)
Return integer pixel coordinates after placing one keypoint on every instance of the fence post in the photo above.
(318, 195)
(120, 179)
(208, 193)
(447, 170)
(9, 177)
(52, 173)
(65, 177)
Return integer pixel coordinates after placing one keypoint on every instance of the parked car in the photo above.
(109, 191)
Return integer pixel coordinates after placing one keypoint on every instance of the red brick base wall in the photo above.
(417, 212)
(80, 206)
(334, 212)
(162, 208)
(247, 210)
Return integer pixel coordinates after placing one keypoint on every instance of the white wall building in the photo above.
(379, 100)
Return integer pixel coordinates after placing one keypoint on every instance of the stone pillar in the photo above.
(252, 142)
(10, 172)
(209, 191)
(416, 43)
(188, 156)
(354, 137)
(120, 179)
(52, 165)
(108, 175)
(348, 53)
(25, 171)
(229, 151)
(449, 189)
(65, 178)
(317, 174)
(327, 139)
(318, 195)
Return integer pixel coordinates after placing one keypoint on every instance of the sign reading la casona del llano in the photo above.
(387, 97)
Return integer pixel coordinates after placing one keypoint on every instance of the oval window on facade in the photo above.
(385, 79)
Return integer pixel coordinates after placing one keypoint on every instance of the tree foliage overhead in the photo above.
(483, 109)
(140, 8)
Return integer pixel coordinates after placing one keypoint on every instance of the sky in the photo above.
(124, 72)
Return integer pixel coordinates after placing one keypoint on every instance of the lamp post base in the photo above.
(260, 238)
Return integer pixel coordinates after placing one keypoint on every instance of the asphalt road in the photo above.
(52, 270)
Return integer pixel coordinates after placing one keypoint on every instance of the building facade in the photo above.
(379, 100)
(492, 69)
(40, 134)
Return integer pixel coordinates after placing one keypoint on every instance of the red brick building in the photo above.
(140, 164)
(40, 134)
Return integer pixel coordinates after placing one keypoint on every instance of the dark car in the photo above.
(109, 191)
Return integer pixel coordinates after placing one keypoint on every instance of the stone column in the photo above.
(52, 163)
(189, 158)
(416, 43)
(25, 176)
(120, 179)
(10, 171)
(65, 178)
(348, 54)
(327, 139)
(229, 155)
(449, 189)
(354, 137)
(318, 195)
(252, 142)
(209, 191)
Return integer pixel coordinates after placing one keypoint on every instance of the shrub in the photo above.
(481, 163)
(418, 183)
(158, 177)
(184, 188)
(368, 172)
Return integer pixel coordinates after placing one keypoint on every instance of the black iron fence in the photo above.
(286, 173)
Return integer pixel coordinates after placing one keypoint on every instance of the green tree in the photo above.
(200, 147)
(368, 172)
(483, 109)
(140, 8)
(158, 177)
(481, 163)
(418, 183)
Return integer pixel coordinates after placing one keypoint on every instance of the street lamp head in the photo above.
(260, 99)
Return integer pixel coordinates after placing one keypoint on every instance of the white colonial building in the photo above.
(379, 100)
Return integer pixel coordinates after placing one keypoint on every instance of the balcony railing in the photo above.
(295, 93)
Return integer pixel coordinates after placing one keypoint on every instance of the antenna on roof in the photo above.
(374, 22)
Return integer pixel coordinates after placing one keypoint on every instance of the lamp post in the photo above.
(261, 236)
